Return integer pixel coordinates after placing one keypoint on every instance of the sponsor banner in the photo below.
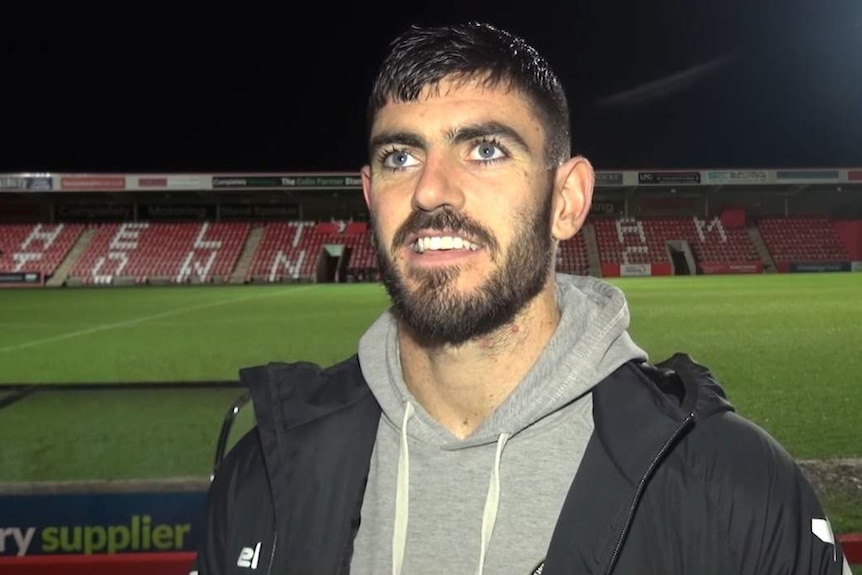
(288, 181)
(156, 182)
(682, 178)
(92, 183)
(807, 175)
(247, 182)
(157, 212)
(103, 523)
(731, 267)
(147, 183)
(323, 181)
(731, 177)
(854, 175)
(20, 279)
(609, 178)
(152, 182)
(607, 208)
(635, 270)
(819, 267)
(856, 266)
(94, 212)
(258, 211)
(25, 183)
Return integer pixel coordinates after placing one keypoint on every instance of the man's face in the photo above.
(460, 198)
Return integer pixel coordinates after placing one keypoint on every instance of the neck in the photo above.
(460, 386)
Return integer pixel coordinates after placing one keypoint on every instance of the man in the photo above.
(498, 418)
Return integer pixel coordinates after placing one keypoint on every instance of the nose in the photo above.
(437, 186)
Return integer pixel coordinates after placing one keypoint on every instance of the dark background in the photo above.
(281, 86)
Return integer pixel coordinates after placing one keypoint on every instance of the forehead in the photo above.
(452, 102)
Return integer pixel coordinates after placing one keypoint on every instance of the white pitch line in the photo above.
(143, 319)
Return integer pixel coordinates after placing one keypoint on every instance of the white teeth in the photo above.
(436, 243)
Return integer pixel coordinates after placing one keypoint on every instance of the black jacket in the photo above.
(672, 482)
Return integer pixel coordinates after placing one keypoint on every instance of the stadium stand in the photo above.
(363, 259)
(139, 252)
(36, 247)
(572, 256)
(643, 241)
(142, 252)
(802, 239)
(280, 255)
(290, 250)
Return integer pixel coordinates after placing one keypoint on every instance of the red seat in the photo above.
(802, 239)
(643, 240)
(179, 253)
(36, 247)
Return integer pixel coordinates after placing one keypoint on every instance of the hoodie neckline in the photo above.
(590, 342)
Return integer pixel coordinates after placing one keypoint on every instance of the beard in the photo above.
(434, 311)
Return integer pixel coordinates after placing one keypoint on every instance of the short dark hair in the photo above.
(424, 56)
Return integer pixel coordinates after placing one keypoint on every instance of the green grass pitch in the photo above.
(787, 348)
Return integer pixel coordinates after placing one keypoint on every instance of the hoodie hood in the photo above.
(591, 341)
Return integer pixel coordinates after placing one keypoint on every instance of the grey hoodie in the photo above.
(488, 503)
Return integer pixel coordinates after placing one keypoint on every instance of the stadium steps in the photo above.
(245, 258)
(762, 250)
(59, 277)
(593, 258)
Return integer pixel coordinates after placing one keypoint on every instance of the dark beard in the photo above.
(435, 313)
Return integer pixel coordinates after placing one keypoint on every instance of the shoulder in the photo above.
(736, 456)
(760, 498)
(721, 445)
(723, 456)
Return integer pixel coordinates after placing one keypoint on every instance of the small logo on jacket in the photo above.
(248, 557)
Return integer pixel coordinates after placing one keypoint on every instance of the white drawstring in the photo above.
(402, 497)
(492, 503)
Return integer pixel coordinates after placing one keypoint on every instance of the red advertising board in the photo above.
(92, 183)
(170, 563)
(153, 182)
(610, 270)
(854, 175)
(731, 267)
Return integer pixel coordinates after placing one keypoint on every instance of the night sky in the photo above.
(189, 86)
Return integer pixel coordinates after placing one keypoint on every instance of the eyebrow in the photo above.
(455, 136)
(409, 139)
(486, 130)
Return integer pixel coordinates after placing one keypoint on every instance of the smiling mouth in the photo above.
(442, 243)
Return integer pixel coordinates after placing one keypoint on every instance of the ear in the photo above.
(573, 194)
(365, 173)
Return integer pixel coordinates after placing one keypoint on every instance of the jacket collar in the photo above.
(650, 403)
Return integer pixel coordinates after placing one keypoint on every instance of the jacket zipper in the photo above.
(686, 423)
(272, 554)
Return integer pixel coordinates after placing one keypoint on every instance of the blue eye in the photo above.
(486, 151)
(396, 159)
